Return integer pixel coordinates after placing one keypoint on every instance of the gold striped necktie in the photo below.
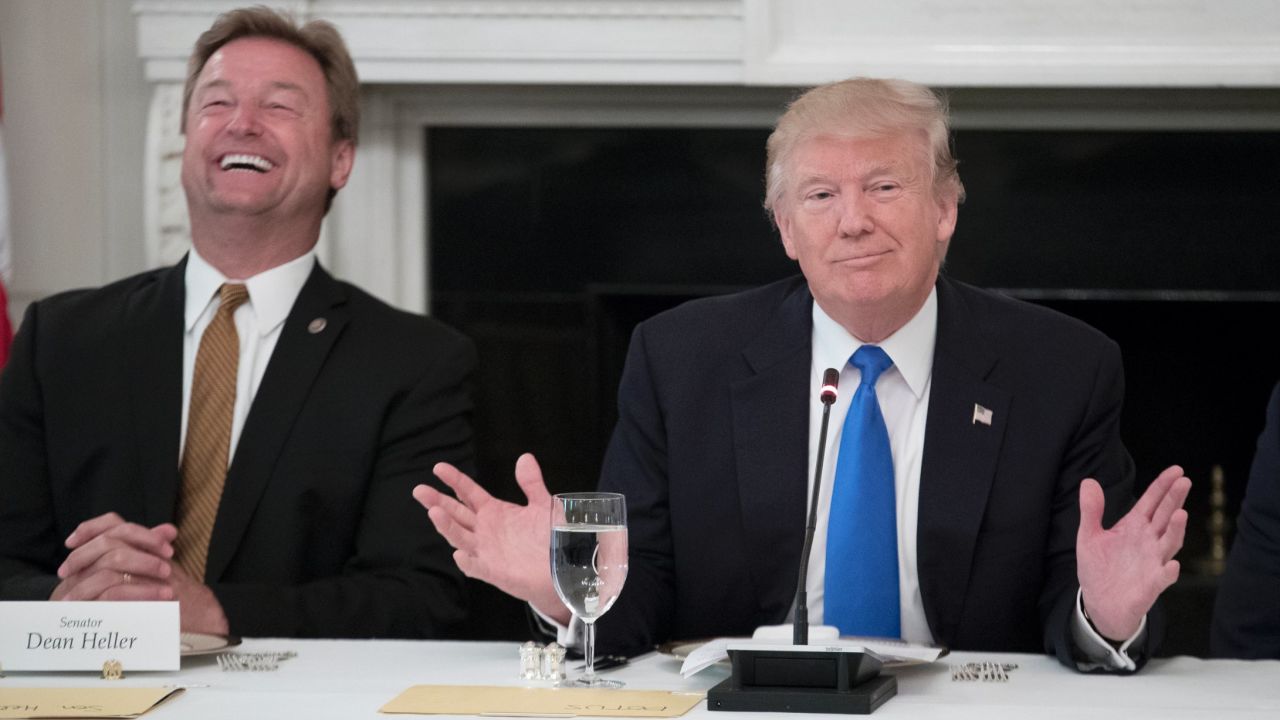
(204, 461)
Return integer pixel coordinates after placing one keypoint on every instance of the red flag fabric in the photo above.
(6, 327)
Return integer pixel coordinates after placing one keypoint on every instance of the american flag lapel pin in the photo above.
(981, 415)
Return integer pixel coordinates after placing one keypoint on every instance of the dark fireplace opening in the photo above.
(548, 245)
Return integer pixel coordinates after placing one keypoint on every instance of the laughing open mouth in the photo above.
(256, 163)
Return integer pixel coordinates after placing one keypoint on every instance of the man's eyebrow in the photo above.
(212, 84)
(286, 85)
(889, 168)
(812, 178)
(275, 85)
(885, 169)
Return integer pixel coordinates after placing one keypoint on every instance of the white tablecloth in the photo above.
(352, 679)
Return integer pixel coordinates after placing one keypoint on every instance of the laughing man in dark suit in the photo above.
(991, 414)
(262, 487)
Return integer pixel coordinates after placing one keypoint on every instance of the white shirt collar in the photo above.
(910, 348)
(271, 292)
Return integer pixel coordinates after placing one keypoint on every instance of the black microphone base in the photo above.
(860, 700)
(815, 681)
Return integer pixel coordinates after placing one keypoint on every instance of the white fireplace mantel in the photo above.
(958, 43)
(654, 62)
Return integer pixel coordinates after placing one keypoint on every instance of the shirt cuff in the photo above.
(1098, 652)
(567, 636)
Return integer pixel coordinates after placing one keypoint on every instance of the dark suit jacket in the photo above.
(1246, 616)
(317, 534)
(711, 450)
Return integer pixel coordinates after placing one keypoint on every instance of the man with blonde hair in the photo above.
(954, 508)
(239, 432)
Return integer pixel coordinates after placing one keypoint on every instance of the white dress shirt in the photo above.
(903, 392)
(258, 323)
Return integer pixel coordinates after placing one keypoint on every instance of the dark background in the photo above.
(548, 245)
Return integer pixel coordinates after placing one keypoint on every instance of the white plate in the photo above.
(194, 644)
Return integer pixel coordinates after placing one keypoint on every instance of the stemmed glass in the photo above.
(589, 562)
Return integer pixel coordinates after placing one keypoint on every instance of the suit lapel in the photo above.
(153, 329)
(296, 361)
(771, 441)
(960, 458)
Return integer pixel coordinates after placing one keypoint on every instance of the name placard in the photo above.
(83, 635)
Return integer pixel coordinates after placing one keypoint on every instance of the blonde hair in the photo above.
(317, 38)
(862, 107)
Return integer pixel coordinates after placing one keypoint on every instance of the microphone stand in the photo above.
(800, 626)
(800, 677)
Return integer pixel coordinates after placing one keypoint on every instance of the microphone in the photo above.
(827, 396)
(799, 677)
(830, 383)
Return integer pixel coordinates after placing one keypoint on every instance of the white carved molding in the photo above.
(1016, 43)
(430, 41)
(377, 224)
(168, 228)
(957, 43)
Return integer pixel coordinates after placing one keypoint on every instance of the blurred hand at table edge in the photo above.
(112, 559)
(501, 543)
(1123, 569)
(198, 606)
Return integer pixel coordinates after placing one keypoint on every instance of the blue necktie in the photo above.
(861, 593)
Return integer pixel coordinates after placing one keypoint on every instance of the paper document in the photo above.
(890, 651)
(47, 702)
(540, 702)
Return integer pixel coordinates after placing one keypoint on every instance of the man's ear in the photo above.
(342, 159)
(948, 211)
